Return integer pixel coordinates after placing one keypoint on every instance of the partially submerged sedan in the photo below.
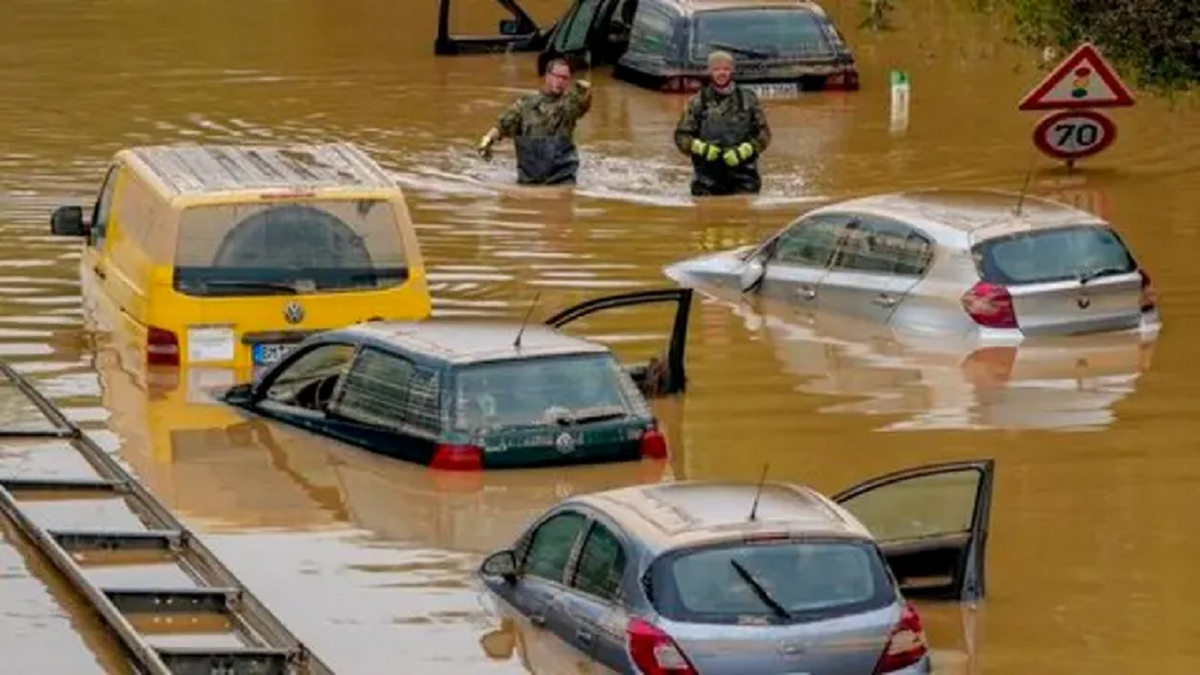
(472, 395)
(978, 264)
(737, 579)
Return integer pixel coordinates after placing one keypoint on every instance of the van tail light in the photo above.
(162, 347)
(906, 645)
(654, 652)
(1149, 296)
(990, 305)
(457, 457)
(652, 445)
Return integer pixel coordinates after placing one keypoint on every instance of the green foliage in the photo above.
(1158, 40)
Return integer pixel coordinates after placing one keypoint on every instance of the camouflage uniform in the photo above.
(542, 127)
(724, 120)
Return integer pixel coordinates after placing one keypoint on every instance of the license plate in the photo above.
(265, 354)
(775, 89)
(209, 343)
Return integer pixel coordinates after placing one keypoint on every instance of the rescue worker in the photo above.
(542, 126)
(724, 130)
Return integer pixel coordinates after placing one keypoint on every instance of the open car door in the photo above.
(661, 376)
(932, 523)
(518, 34)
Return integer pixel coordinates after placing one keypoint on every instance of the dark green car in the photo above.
(476, 395)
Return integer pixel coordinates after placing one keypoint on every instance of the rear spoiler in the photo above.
(518, 34)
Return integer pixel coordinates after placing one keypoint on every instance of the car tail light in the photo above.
(457, 457)
(906, 645)
(846, 80)
(1149, 297)
(654, 652)
(652, 445)
(162, 347)
(681, 83)
(990, 305)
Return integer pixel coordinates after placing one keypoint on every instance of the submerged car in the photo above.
(977, 264)
(466, 395)
(741, 579)
(782, 47)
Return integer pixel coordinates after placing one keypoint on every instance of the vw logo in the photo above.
(564, 443)
(1084, 302)
(293, 312)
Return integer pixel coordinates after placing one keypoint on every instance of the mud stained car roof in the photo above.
(688, 513)
(465, 342)
(968, 211)
(187, 170)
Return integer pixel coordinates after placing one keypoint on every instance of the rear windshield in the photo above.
(761, 33)
(544, 391)
(285, 248)
(810, 580)
(1053, 255)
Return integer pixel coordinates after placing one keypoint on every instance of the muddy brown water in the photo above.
(1091, 563)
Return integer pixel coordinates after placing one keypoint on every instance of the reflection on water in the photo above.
(1090, 556)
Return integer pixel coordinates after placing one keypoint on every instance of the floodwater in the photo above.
(1092, 553)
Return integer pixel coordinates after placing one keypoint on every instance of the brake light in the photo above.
(990, 305)
(846, 80)
(1149, 296)
(457, 457)
(675, 83)
(162, 347)
(654, 652)
(906, 645)
(653, 445)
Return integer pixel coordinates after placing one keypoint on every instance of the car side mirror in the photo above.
(501, 564)
(67, 221)
(751, 274)
(509, 27)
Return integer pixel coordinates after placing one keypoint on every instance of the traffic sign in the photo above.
(1074, 134)
(1083, 80)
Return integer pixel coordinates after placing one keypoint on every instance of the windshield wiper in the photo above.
(1087, 276)
(760, 591)
(249, 283)
(591, 415)
(748, 51)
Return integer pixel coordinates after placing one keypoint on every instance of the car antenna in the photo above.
(525, 321)
(1025, 185)
(758, 491)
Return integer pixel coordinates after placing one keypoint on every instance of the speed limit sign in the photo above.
(1073, 134)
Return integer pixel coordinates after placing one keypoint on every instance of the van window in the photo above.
(284, 248)
(1060, 254)
(103, 210)
(650, 38)
(762, 33)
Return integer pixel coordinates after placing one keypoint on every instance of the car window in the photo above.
(923, 506)
(314, 365)
(761, 32)
(601, 564)
(551, 544)
(1052, 255)
(577, 27)
(285, 248)
(103, 210)
(390, 391)
(885, 247)
(809, 242)
(810, 579)
(653, 25)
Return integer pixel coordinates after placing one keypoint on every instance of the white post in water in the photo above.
(900, 98)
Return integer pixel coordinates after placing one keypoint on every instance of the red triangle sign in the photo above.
(1083, 80)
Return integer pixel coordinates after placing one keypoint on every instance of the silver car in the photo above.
(978, 264)
(743, 579)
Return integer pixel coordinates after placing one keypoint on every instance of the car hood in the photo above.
(708, 268)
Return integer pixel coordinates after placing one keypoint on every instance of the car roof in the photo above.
(197, 170)
(691, 513)
(968, 213)
(688, 6)
(465, 342)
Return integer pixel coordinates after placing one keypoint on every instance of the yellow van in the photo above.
(225, 256)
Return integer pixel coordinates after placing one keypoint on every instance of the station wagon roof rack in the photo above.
(191, 169)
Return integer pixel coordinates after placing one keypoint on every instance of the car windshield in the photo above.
(1079, 252)
(288, 248)
(778, 580)
(552, 390)
(761, 33)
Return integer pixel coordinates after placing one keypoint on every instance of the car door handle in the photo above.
(806, 292)
(884, 300)
(584, 637)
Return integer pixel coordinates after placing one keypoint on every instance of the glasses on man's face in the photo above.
(559, 76)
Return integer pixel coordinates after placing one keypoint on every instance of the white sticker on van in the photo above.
(209, 343)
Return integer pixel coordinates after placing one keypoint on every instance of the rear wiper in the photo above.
(742, 50)
(1087, 276)
(593, 415)
(239, 283)
(760, 591)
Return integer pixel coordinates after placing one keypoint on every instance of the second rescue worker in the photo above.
(724, 130)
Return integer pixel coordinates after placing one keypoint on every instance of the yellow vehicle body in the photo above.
(195, 254)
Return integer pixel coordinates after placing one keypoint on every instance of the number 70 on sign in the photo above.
(1074, 134)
